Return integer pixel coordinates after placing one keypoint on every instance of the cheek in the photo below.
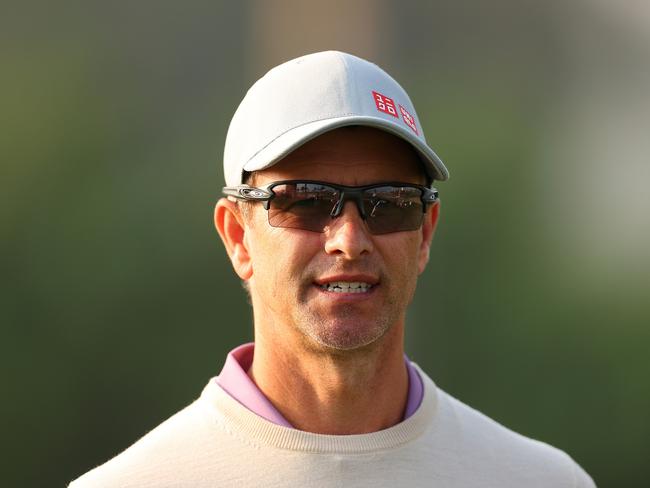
(405, 249)
(282, 257)
(402, 259)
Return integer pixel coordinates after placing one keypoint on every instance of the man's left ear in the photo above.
(428, 229)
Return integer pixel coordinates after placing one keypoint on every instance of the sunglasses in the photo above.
(311, 205)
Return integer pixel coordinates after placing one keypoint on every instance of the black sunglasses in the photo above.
(310, 205)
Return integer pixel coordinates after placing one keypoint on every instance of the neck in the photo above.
(334, 392)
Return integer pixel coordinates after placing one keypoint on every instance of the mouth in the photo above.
(346, 286)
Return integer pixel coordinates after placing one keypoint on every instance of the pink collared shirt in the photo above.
(236, 382)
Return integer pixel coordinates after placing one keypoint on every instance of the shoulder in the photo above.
(488, 448)
(177, 445)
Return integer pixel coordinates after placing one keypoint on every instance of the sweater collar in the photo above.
(235, 381)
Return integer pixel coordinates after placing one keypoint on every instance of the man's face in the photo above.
(292, 268)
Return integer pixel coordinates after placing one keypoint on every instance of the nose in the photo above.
(347, 235)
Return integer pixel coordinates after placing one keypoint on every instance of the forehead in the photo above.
(349, 156)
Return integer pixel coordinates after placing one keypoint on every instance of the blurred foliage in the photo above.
(118, 302)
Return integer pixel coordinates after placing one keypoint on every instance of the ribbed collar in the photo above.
(238, 420)
(235, 380)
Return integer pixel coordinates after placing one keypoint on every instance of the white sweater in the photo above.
(217, 442)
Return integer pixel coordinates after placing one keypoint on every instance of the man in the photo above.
(328, 221)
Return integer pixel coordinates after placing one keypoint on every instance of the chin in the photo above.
(346, 335)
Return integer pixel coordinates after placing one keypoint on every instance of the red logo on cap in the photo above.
(408, 119)
(384, 104)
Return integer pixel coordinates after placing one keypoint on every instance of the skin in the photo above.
(331, 363)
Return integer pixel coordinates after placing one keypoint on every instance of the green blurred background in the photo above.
(118, 302)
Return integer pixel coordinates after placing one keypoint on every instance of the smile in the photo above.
(346, 287)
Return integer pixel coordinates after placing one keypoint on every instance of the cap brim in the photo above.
(292, 139)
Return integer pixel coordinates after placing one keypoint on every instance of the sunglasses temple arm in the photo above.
(245, 192)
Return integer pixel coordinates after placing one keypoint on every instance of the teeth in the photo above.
(347, 287)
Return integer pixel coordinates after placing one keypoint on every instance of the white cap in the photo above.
(308, 96)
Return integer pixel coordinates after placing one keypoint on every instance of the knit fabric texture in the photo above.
(217, 442)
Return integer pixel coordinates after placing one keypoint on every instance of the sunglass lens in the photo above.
(393, 209)
(304, 206)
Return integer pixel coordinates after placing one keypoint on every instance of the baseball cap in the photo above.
(310, 95)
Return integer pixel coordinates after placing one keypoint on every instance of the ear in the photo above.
(232, 229)
(428, 229)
